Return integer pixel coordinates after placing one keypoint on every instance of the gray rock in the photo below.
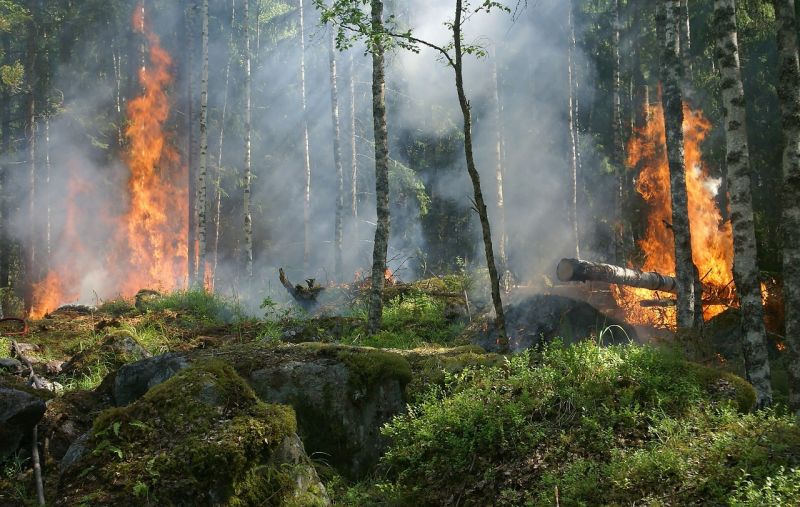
(10, 364)
(74, 452)
(536, 320)
(336, 419)
(306, 481)
(135, 379)
(19, 413)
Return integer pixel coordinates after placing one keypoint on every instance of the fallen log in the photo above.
(574, 270)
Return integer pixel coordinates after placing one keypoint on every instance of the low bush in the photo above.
(594, 425)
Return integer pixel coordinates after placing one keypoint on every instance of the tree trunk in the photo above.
(500, 173)
(248, 219)
(574, 270)
(745, 267)
(218, 181)
(337, 161)
(5, 240)
(671, 75)
(201, 178)
(306, 152)
(620, 226)
(381, 244)
(191, 141)
(30, 137)
(480, 205)
(789, 92)
(573, 134)
(685, 32)
(353, 148)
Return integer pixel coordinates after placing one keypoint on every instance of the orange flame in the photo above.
(149, 247)
(712, 239)
(156, 224)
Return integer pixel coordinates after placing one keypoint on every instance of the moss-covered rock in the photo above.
(117, 348)
(200, 438)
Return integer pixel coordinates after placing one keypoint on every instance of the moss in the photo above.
(431, 367)
(200, 438)
(721, 384)
(371, 366)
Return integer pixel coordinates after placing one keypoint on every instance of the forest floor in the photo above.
(574, 424)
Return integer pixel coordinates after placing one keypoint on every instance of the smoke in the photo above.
(429, 228)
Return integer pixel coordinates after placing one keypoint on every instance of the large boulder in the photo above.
(19, 413)
(201, 438)
(133, 380)
(539, 319)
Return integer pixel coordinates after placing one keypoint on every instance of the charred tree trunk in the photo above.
(671, 75)
(337, 161)
(574, 270)
(306, 150)
(745, 267)
(789, 92)
(201, 178)
(248, 218)
(480, 205)
(573, 133)
(381, 244)
(218, 179)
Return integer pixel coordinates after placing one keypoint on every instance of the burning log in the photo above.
(574, 270)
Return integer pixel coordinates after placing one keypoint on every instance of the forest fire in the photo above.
(712, 240)
(148, 247)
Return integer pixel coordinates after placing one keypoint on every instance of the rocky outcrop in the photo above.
(133, 380)
(537, 320)
(200, 438)
(19, 413)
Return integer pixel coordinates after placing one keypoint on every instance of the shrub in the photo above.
(614, 425)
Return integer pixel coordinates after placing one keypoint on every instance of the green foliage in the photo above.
(615, 425)
(117, 307)
(12, 75)
(780, 489)
(200, 304)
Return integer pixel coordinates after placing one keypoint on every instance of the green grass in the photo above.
(199, 304)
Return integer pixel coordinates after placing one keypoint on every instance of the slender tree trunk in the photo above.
(621, 225)
(685, 32)
(745, 267)
(5, 240)
(500, 173)
(353, 148)
(248, 219)
(573, 134)
(30, 136)
(381, 244)
(671, 75)
(480, 205)
(191, 140)
(201, 179)
(337, 161)
(789, 93)
(218, 181)
(306, 151)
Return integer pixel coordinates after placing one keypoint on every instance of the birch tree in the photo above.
(672, 98)
(337, 160)
(203, 162)
(306, 153)
(248, 132)
(573, 131)
(745, 267)
(789, 93)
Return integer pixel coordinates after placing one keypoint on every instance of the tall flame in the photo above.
(155, 232)
(149, 247)
(712, 239)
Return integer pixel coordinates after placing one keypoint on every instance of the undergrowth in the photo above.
(615, 425)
